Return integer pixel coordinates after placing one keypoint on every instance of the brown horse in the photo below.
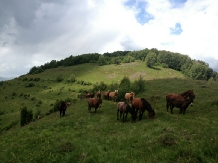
(185, 95)
(95, 103)
(106, 95)
(98, 94)
(89, 95)
(140, 104)
(113, 95)
(124, 108)
(180, 103)
(129, 96)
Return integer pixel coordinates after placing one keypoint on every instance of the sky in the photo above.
(35, 32)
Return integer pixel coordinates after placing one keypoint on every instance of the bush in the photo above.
(56, 105)
(124, 87)
(26, 116)
(30, 84)
(36, 79)
(138, 86)
(59, 78)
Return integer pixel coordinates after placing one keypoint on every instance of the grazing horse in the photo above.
(129, 96)
(184, 95)
(99, 94)
(95, 103)
(113, 95)
(62, 108)
(124, 108)
(90, 95)
(106, 95)
(180, 103)
(140, 104)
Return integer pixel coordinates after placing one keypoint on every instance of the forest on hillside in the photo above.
(195, 69)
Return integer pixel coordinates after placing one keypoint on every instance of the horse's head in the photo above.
(151, 114)
(191, 94)
(189, 101)
(100, 102)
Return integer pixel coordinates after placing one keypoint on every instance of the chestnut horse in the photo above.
(124, 108)
(140, 104)
(185, 95)
(180, 103)
(94, 103)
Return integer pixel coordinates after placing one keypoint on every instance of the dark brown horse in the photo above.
(180, 103)
(89, 95)
(95, 103)
(123, 109)
(106, 95)
(62, 108)
(140, 104)
(171, 97)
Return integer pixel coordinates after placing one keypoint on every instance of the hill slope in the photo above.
(100, 137)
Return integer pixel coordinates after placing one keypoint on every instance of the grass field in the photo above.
(100, 137)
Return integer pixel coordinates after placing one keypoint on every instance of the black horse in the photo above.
(62, 108)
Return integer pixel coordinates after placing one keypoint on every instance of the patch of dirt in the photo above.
(111, 76)
(137, 75)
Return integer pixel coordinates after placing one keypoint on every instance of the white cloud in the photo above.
(38, 32)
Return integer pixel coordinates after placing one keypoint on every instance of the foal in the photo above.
(124, 108)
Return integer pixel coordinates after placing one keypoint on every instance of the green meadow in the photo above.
(86, 138)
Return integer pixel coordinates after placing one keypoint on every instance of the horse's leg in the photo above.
(136, 112)
(171, 109)
(140, 114)
(126, 116)
(167, 105)
(89, 108)
(123, 116)
(184, 111)
(118, 114)
(60, 113)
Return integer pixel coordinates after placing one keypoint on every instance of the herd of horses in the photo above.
(134, 105)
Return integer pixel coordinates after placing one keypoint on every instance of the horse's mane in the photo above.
(146, 105)
(187, 92)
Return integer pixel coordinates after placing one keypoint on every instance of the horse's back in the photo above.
(137, 103)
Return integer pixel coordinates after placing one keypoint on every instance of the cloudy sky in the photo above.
(34, 32)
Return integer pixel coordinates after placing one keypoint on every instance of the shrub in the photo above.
(100, 86)
(36, 79)
(138, 85)
(26, 116)
(14, 93)
(59, 78)
(56, 105)
(30, 84)
(124, 86)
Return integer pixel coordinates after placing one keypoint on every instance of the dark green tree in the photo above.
(138, 86)
(26, 116)
(124, 87)
(151, 59)
(102, 60)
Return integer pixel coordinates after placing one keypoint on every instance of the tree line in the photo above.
(195, 69)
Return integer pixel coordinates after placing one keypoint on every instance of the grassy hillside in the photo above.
(83, 137)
